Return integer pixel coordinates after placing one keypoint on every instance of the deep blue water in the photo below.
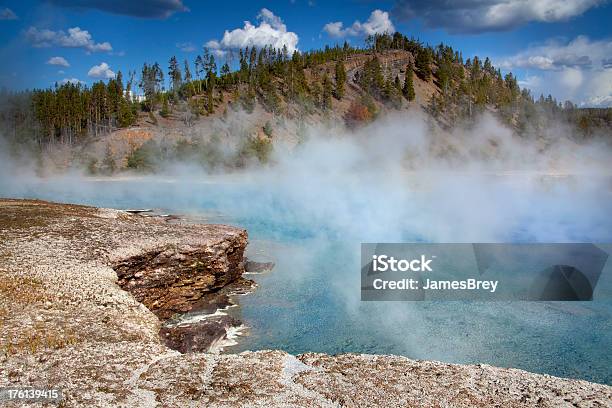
(312, 230)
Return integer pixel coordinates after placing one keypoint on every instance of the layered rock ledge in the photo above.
(65, 322)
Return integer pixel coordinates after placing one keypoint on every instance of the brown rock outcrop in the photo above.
(173, 279)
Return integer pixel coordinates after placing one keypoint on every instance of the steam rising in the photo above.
(398, 179)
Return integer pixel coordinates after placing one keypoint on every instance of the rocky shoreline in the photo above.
(177, 280)
(89, 304)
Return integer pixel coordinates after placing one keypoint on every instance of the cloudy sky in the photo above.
(561, 47)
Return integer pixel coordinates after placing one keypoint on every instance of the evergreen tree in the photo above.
(371, 79)
(327, 93)
(188, 77)
(147, 84)
(174, 73)
(158, 76)
(210, 70)
(225, 70)
(475, 70)
(210, 65)
(408, 89)
(252, 59)
(199, 69)
(125, 116)
(423, 64)
(244, 67)
(340, 79)
(488, 67)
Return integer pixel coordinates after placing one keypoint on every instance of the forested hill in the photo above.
(353, 85)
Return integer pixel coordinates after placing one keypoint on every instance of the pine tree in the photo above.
(125, 116)
(188, 77)
(174, 72)
(210, 66)
(210, 70)
(423, 64)
(408, 89)
(225, 70)
(147, 84)
(340, 79)
(118, 93)
(327, 93)
(244, 67)
(372, 79)
(488, 67)
(199, 69)
(159, 77)
(252, 59)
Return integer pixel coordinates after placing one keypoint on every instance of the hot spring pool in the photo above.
(312, 230)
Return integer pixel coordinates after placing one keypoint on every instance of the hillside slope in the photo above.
(224, 118)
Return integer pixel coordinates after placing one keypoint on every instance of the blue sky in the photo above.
(562, 47)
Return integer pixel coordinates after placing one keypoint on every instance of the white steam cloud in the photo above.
(396, 180)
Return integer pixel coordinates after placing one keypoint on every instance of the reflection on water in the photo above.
(313, 231)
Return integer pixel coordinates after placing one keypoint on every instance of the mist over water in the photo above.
(393, 181)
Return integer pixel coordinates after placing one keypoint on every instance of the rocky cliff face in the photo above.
(172, 280)
(175, 279)
(65, 323)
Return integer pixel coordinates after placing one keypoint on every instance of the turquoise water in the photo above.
(312, 230)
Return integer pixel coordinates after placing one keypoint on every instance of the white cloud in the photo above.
(270, 31)
(76, 38)
(530, 82)
(557, 55)
(469, 16)
(509, 13)
(213, 44)
(578, 70)
(598, 102)
(186, 47)
(334, 29)
(216, 48)
(102, 71)
(75, 81)
(8, 14)
(537, 61)
(378, 23)
(60, 61)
